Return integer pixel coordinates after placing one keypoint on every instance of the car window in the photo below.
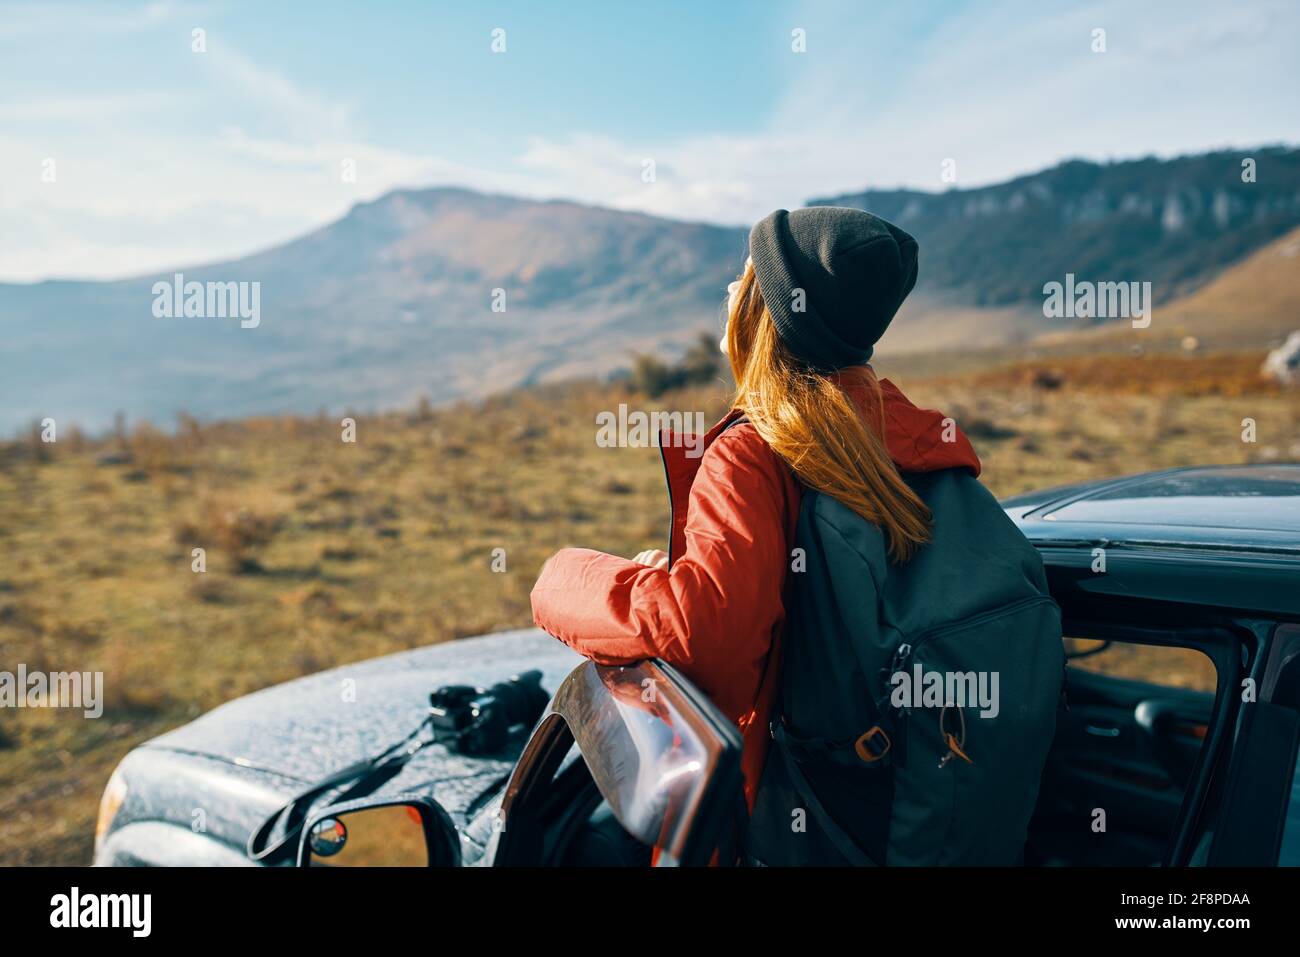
(664, 762)
(1155, 664)
(649, 748)
(1129, 741)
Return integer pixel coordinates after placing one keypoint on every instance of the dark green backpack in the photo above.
(918, 700)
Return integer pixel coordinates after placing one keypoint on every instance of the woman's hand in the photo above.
(652, 557)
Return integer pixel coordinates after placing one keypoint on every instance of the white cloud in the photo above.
(1002, 88)
(28, 21)
(85, 109)
(299, 112)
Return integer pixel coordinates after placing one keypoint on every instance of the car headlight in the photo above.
(109, 804)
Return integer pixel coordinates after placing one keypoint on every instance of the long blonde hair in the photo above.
(808, 420)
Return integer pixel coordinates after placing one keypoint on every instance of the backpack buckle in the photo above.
(873, 744)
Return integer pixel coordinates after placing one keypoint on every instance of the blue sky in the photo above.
(164, 157)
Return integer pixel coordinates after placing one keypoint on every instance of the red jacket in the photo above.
(716, 612)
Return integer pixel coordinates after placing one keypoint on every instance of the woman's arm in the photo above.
(714, 613)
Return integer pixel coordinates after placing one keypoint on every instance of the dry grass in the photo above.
(320, 552)
(1156, 374)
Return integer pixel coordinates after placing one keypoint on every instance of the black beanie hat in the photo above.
(853, 268)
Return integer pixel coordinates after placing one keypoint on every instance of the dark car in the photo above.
(1176, 743)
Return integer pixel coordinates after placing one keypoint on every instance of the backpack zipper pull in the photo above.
(954, 749)
(954, 743)
(901, 656)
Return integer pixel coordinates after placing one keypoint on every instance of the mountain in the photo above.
(1251, 304)
(395, 300)
(1174, 223)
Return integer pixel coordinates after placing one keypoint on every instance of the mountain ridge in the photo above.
(1172, 222)
(450, 293)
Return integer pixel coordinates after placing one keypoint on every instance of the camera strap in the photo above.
(364, 777)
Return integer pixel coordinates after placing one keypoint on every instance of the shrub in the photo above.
(236, 534)
(701, 363)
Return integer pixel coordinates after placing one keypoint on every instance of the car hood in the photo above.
(310, 727)
(195, 794)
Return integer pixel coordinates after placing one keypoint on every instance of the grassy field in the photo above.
(321, 552)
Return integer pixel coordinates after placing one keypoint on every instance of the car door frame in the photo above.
(1222, 646)
(1261, 771)
(1181, 598)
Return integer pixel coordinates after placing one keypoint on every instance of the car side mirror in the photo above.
(411, 832)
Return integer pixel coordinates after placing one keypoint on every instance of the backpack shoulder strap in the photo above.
(741, 420)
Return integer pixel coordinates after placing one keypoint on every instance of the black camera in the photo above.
(480, 720)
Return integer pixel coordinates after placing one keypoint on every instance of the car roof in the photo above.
(1238, 508)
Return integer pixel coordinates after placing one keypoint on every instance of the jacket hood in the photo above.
(918, 440)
